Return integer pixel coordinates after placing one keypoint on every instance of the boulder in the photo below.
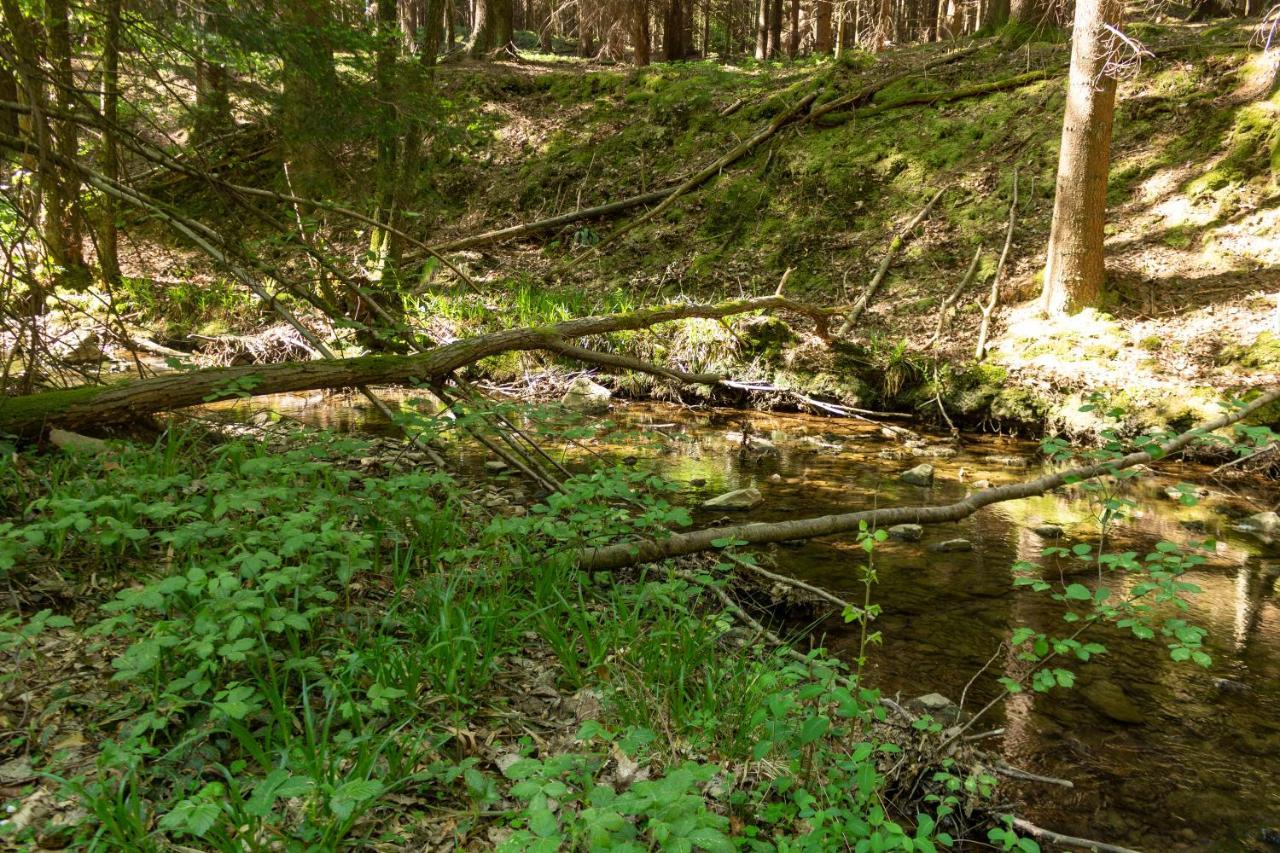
(1048, 531)
(906, 532)
(74, 442)
(921, 475)
(1110, 700)
(952, 545)
(937, 451)
(587, 397)
(748, 498)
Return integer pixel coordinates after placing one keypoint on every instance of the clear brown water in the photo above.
(1202, 769)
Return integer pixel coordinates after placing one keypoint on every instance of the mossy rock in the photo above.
(1262, 354)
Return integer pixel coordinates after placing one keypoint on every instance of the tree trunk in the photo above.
(640, 32)
(822, 38)
(492, 29)
(775, 29)
(9, 121)
(97, 407)
(108, 235)
(386, 35)
(762, 29)
(213, 96)
(67, 143)
(793, 35)
(1029, 13)
(309, 77)
(673, 31)
(1075, 267)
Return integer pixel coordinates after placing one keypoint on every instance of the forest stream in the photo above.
(1180, 757)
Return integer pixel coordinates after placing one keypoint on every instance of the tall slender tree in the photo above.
(1074, 270)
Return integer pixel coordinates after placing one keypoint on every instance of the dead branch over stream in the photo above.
(759, 533)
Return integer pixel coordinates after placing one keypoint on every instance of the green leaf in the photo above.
(1078, 592)
(350, 794)
(813, 728)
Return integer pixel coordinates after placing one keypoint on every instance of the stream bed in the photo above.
(1163, 755)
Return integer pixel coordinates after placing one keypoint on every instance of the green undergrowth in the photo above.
(235, 648)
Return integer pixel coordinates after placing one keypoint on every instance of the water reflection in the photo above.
(1164, 755)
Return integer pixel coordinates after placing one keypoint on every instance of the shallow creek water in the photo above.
(1164, 756)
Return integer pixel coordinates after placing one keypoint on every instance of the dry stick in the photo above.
(993, 297)
(1067, 840)
(895, 245)
(761, 631)
(164, 160)
(679, 544)
(944, 310)
(793, 582)
(526, 466)
(1016, 773)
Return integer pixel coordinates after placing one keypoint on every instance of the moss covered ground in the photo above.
(1193, 225)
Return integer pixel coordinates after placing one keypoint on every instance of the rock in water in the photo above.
(906, 532)
(1048, 531)
(952, 545)
(748, 498)
(587, 397)
(921, 475)
(1109, 700)
(1263, 522)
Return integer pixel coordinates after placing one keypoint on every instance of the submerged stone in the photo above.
(921, 475)
(1262, 522)
(748, 498)
(587, 397)
(952, 545)
(1110, 700)
(1048, 531)
(906, 532)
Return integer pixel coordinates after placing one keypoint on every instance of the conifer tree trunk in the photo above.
(108, 242)
(1029, 13)
(640, 33)
(1074, 270)
(492, 29)
(213, 83)
(762, 29)
(793, 34)
(775, 28)
(822, 36)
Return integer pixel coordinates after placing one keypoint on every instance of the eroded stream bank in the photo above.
(1163, 755)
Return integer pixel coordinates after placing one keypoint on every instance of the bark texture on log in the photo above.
(97, 406)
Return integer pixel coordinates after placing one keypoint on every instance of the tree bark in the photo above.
(822, 37)
(673, 31)
(762, 29)
(98, 407)
(492, 30)
(108, 235)
(793, 33)
(775, 29)
(309, 77)
(1029, 13)
(1075, 268)
(640, 32)
(213, 94)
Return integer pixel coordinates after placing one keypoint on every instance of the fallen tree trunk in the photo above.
(622, 554)
(103, 406)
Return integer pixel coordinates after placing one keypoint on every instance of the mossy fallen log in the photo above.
(94, 407)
